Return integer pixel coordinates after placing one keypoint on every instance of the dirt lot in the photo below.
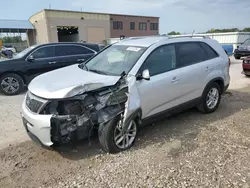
(187, 150)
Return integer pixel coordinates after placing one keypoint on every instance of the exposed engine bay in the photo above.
(77, 117)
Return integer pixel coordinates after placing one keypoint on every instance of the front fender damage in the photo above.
(78, 117)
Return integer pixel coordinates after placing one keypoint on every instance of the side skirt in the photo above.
(169, 112)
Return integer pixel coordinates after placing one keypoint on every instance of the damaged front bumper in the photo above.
(37, 126)
(61, 129)
(63, 121)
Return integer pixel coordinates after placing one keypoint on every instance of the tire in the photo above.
(106, 134)
(17, 85)
(237, 57)
(203, 106)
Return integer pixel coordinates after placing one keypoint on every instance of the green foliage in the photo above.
(246, 29)
(228, 30)
(13, 39)
(174, 33)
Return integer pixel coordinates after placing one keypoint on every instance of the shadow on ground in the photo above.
(184, 126)
(20, 163)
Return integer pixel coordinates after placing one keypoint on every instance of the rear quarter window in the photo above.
(189, 53)
(211, 53)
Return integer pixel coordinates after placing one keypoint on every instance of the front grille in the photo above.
(34, 103)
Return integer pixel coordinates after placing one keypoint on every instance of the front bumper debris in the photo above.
(64, 121)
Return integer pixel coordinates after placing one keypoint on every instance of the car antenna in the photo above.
(193, 33)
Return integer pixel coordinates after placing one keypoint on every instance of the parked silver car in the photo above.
(128, 84)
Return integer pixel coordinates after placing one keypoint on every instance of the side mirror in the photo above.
(237, 46)
(145, 75)
(31, 58)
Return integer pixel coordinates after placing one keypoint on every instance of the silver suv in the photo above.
(125, 86)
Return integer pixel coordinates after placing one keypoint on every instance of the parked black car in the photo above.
(243, 50)
(17, 72)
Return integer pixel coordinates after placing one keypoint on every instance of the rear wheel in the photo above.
(11, 84)
(114, 138)
(210, 100)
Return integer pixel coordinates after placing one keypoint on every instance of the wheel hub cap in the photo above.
(10, 85)
(212, 98)
(124, 138)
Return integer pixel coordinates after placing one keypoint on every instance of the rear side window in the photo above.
(161, 60)
(65, 50)
(190, 53)
(211, 54)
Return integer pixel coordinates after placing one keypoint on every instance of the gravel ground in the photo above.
(187, 150)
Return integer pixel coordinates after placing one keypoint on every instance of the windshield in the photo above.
(247, 42)
(115, 60)
(24, 52)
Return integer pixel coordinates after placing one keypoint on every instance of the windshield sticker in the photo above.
(133, 49)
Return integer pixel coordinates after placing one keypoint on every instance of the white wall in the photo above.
(234, 38)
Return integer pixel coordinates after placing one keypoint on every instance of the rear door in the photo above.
(72, 54)
(212, 64)
(190, 64)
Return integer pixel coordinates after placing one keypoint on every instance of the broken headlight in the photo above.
(118, 97)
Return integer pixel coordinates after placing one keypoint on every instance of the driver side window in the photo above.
(44, 52)
(161, 60)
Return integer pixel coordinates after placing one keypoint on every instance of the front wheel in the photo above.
(210, 100)
(114, 138)
(11, 84)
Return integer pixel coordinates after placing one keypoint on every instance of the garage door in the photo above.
(96, 34)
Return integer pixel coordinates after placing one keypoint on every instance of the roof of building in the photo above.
(15, 25)
(99, 13)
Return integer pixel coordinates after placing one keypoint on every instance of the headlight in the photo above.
(117, 97)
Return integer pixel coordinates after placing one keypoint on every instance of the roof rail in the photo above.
(141, 37)
(190, 36)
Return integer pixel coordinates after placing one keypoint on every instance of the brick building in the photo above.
(72, 26)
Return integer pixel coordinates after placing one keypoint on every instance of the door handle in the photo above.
(175, 79)
(208, 69)
(80, 60)
(52, 62)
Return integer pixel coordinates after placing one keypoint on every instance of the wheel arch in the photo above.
(217, 80)
(137, 114)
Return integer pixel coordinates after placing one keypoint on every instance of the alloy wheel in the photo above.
(10, 85)
(212, 98)
(125, 138)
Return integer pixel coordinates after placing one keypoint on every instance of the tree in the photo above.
(15, 39)
(174, 33)
(223, 30)
(246, 29)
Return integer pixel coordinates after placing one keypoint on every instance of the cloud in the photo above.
(117, 6)
(212, 5)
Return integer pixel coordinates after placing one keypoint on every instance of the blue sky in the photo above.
(178, 15)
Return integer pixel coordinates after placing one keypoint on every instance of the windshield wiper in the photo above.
(97, 71)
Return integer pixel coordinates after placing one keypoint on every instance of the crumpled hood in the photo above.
(68, 82)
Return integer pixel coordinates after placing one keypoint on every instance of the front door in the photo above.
(161, 92)
(40, 61)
